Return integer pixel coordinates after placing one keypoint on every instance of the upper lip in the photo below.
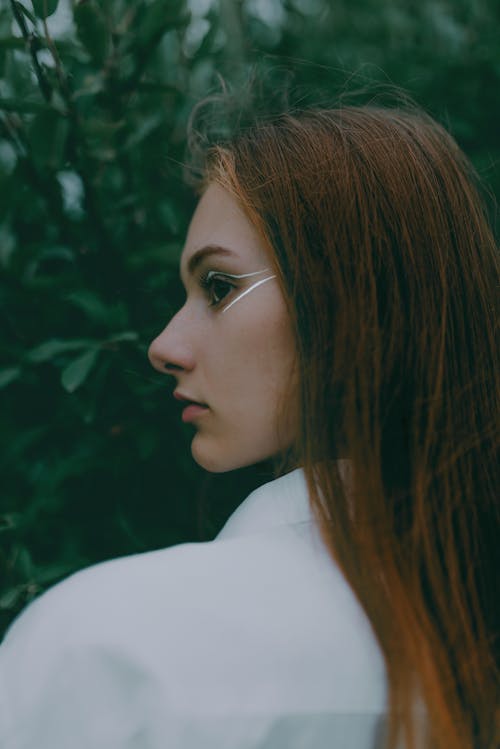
(181, 397)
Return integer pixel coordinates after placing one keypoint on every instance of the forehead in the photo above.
(219, 220)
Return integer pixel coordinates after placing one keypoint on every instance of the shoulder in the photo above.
(137, 602)
(260, 618)
(98, 655)
(117, 602)
(270, 598)
(93, 592)
(263, 534)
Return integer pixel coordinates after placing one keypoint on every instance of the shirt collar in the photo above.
(284, 501)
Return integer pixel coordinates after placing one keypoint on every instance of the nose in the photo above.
(170, 352)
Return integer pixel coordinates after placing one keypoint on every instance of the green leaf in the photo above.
(92, 30)
(20, 444)
(52, 348)
(9, 521)
(52, 572)
(48, 135)
(44, 8)
(143, 129)
(90, 303)
(77, 372)
(7, 237)
(8, 375)
(91, 85)
(160, 16)
(37, 266)
(129, 335)
(21, 105)
(24, 562)
(19, 83)
(10, 598)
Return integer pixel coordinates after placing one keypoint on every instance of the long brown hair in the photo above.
(374, 222)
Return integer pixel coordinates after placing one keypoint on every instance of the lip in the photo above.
(193, 412)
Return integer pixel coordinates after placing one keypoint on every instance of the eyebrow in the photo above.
(210, 249)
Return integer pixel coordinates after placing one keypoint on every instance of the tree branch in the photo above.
(32, 45)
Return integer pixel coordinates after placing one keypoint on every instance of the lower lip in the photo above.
(193, 412)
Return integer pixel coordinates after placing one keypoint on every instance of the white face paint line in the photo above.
(234, 275)
(253, 286)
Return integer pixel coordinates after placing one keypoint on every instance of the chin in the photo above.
(208, 459)
(219, 460)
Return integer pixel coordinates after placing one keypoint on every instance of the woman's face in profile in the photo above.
(230, 347)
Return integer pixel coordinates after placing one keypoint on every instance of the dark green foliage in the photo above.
(44, 8)
(92, 31)
(93, 213)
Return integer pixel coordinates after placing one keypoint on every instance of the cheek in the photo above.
(259, 353)
(273, 340)
(248, 372)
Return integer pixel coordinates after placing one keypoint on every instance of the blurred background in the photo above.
(95, 100)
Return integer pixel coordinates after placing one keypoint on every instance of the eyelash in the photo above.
(208, 285)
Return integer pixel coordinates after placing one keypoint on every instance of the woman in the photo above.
(340, 278)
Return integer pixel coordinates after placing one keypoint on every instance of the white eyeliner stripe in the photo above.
(253, 286)
(234, 275)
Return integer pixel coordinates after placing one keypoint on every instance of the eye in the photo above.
(217, 286)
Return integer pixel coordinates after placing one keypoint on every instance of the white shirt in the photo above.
(251, 641)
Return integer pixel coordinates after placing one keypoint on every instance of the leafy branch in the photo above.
(33, 45)
(75, 140)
